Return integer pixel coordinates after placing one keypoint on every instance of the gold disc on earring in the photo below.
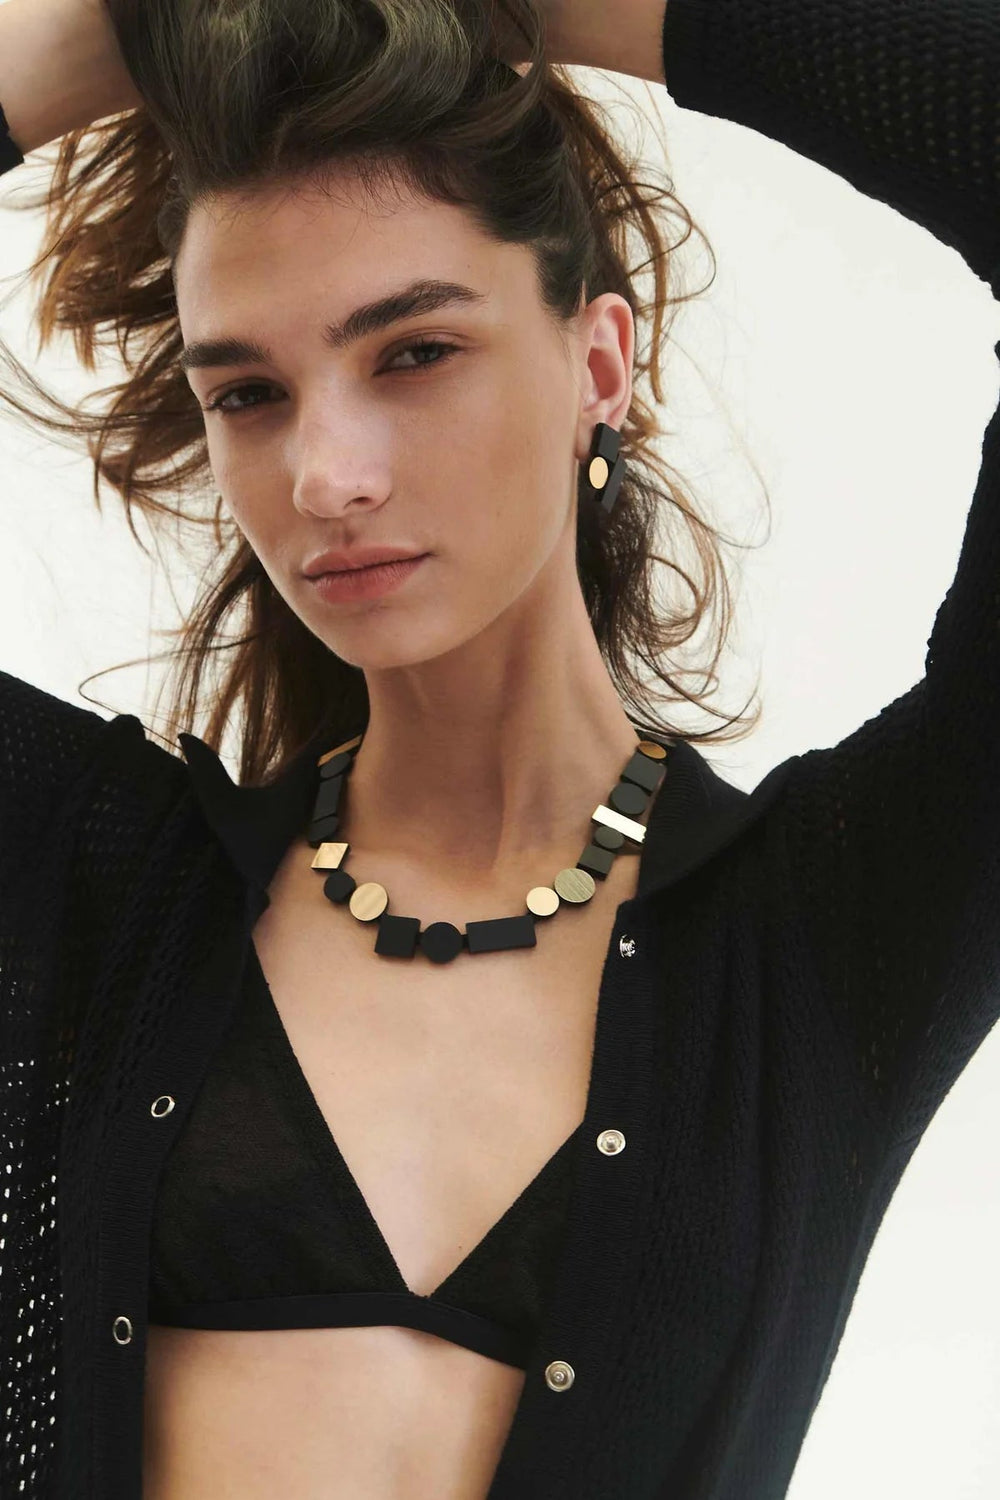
(369, 901)
(655, 752)
(575, 885)
(542, 901)
(598, 472)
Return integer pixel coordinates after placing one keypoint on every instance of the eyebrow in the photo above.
(422, 296)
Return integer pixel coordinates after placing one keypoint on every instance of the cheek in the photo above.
(258, 531)
(251, 511)
(503, 548)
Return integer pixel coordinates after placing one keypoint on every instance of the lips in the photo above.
(357, 560)
(365, 583)
(368, 567)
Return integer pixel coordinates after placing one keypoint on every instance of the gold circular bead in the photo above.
(542, 901)
(369, 901)
(655, 752)
(598, 472)
(575, 885)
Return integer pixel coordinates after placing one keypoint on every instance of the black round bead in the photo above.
(628, 799)
(608, 838)
(441, 942)
(339, 886)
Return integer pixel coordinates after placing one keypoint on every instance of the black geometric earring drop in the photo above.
(606, 469)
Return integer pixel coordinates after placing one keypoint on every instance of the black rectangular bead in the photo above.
(322, 829)
(397, 936)
(503, 932)
(335, 767)
(328, 797)
(642, 771)
(596, 861)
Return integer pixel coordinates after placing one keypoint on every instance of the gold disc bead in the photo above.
(369, 901)
(542, 901)
(575, 885)
(654, 751)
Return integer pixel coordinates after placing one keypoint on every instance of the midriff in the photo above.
(447, 1088)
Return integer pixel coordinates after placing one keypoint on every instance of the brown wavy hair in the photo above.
(243, 94)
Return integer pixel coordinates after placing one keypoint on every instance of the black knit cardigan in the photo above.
(802, 976)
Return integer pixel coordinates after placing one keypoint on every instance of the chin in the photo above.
(374, 649)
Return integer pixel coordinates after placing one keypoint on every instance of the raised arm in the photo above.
(891, 892)
(898, 97)
(624, 37)
(60, 69)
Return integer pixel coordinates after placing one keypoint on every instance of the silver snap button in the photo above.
(559, 1376)
(626, 947)
(611, 1142)
(123, 1330)
(161, 1106)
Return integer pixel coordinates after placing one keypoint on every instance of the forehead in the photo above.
(307, 236)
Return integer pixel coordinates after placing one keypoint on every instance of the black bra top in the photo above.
(258, 1222)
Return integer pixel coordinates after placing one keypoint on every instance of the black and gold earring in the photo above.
(606, 468)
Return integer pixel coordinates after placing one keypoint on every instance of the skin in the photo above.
(495, 728)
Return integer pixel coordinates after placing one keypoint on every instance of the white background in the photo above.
(851, 355)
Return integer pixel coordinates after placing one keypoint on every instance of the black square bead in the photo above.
(596, 861)
(643, 771)
(502, 933)
(397, 936)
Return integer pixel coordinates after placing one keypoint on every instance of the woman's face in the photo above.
(468, 453)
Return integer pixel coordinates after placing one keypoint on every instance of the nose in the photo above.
(336, 477)
(338, 461)
(329, 497)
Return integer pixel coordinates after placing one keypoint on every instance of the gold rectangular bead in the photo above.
(339, 750)
(628, 826)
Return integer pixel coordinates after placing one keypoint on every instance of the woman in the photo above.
(482, 1098)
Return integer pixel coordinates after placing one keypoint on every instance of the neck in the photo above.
(491, 758)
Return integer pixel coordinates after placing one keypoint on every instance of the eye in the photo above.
(445, 350)
(422, 344)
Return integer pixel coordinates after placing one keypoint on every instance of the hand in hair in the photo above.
(626, 37)
(60, 69)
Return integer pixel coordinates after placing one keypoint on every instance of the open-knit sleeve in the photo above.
(42, 737)
(892, 836)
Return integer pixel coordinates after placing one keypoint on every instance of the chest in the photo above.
(446, 1087)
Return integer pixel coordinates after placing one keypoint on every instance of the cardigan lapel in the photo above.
(254, 824)
(697, 813)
